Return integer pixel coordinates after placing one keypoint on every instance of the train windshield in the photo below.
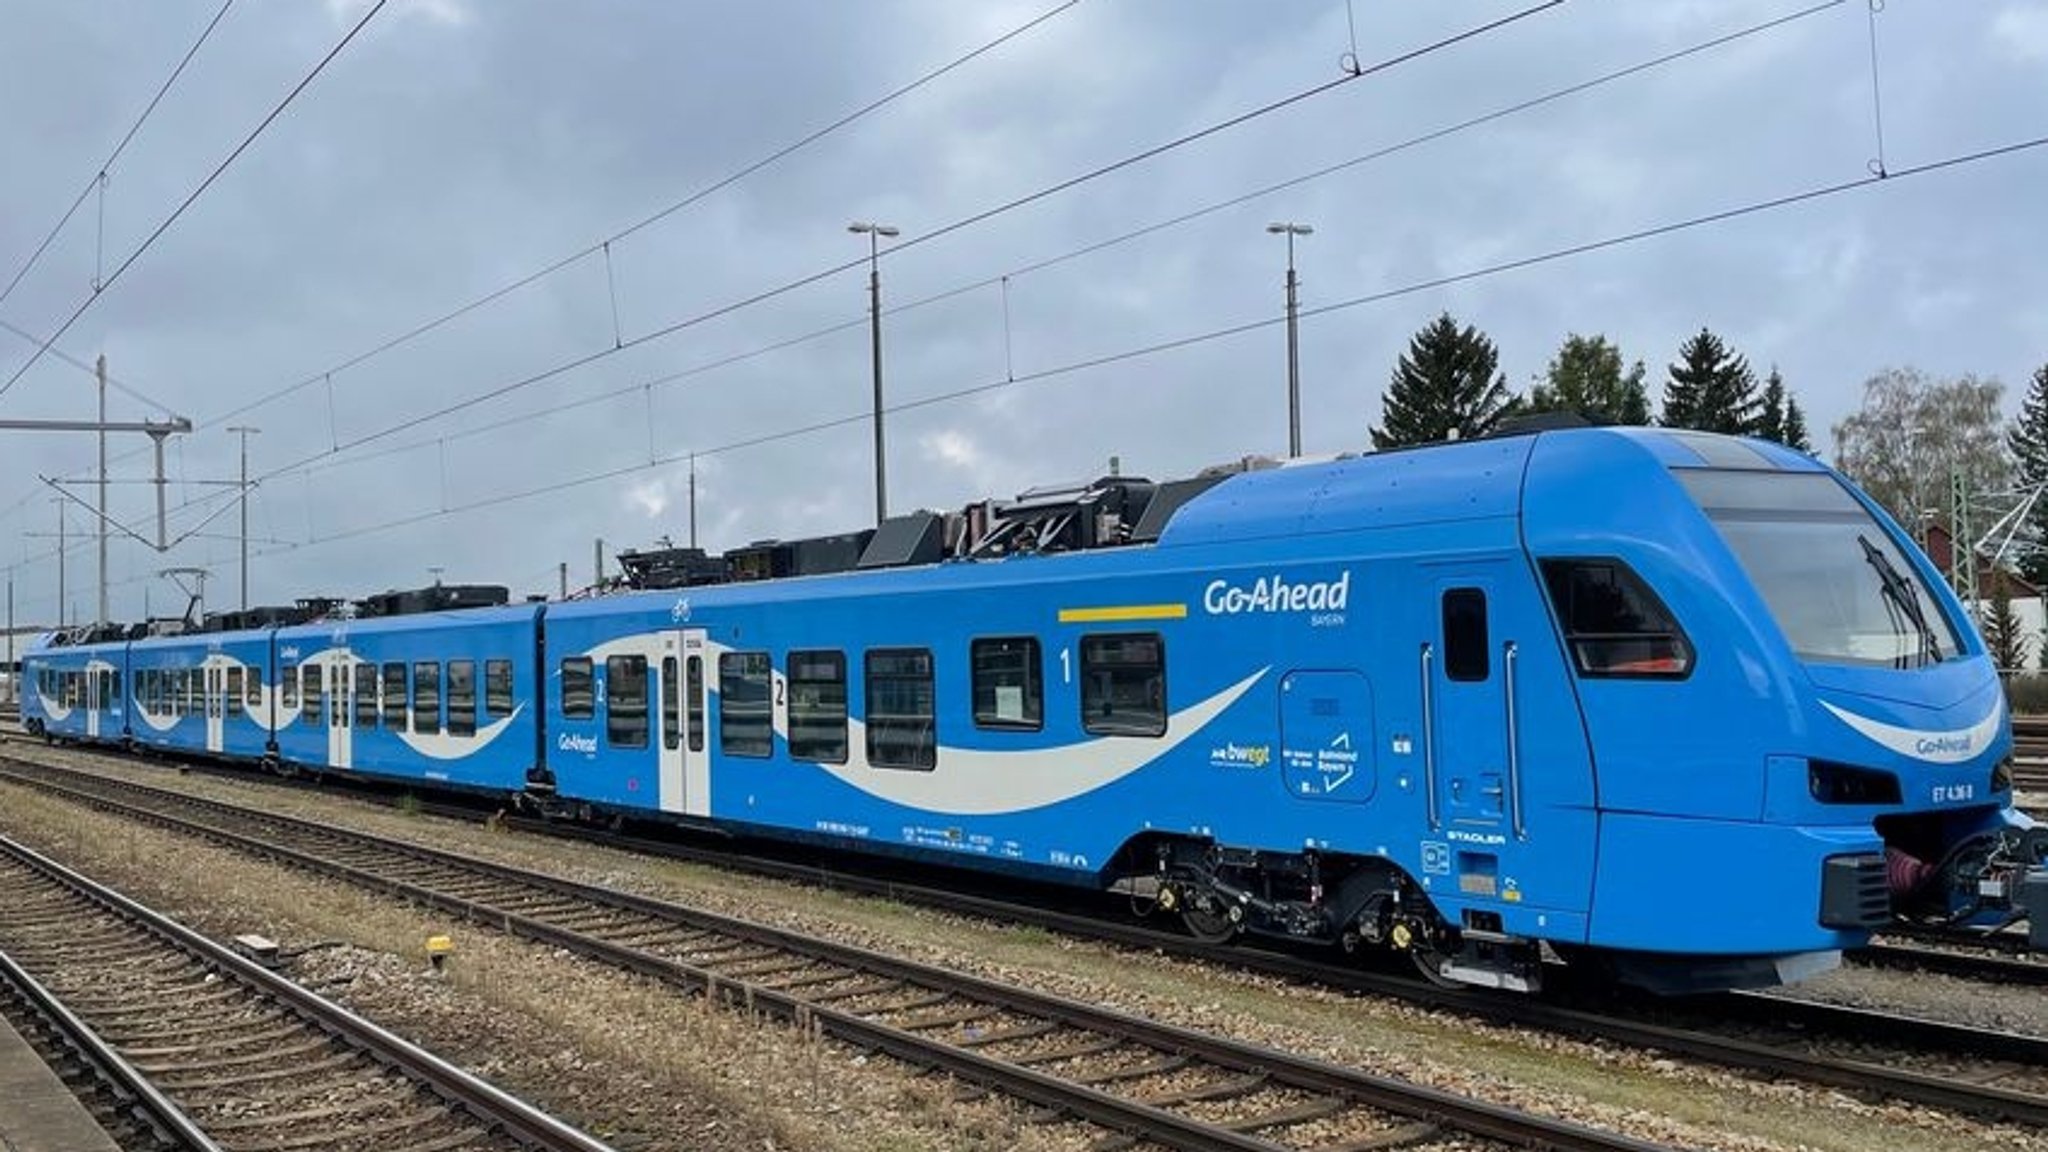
(1835, 582)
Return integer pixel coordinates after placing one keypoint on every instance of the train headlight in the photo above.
(1833, 783)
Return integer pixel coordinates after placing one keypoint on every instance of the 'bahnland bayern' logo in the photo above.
(1275, 594)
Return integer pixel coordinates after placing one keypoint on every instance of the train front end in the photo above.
(1905, 728)
(1798, 736)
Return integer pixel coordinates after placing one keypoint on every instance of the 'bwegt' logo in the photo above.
(1274, 594)
(1245, 755)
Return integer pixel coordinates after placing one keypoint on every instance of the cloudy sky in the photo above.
(457, 146)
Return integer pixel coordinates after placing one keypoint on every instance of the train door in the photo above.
(214, 703)
(92, 700)
(338, 676)
(1472, 753)
(685, 758)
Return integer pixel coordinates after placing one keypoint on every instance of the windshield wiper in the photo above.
(1900, 591)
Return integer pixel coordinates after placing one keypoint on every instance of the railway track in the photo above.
(225, 1055)
(1771, 1035)
(2030, 753)
(1146, 1081)
(1948, 955)
(117, 1097)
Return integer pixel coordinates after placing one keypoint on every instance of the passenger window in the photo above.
(1007, 689)
(394, 697)
(366, 695)
(625, 701)
(253, 681)
(1465, 649)
(579, 698)
(498, 688)
(309, 694)
(817, 706)
(462, 697)
(901, 732)
(234, 692)
(1123, 684)
(671, 705)
(693, 688)
(426, 696)
(745, 717)
(1613, 623)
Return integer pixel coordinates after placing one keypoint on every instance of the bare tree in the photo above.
(1912, 431)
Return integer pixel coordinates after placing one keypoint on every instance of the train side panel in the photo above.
(446, 699)
(1392, 692)
(77, 692)
(204, 693)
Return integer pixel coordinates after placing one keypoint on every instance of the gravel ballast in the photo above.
(1631, 1091)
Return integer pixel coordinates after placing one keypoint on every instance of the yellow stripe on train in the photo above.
(1123, 612)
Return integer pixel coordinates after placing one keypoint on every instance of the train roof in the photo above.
(513, 614)
(1682, 448)
(1446, 483)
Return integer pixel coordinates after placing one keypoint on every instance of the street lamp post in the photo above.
(874, 233)
(1291, 230)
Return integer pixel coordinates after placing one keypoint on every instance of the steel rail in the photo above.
(1995, 967)
(1415, 1102)
(1859, 1076)
(1760, 1009)
(141, 1099)
(492, 1106)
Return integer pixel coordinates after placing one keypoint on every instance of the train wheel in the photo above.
(1209, 918)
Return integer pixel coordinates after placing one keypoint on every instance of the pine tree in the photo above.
(1447, 383)
(1770, 416)
(1794, 428)
(2027, 440)
(1586, 376)
(2004, 636)
(1711, 389)
(1778, 415)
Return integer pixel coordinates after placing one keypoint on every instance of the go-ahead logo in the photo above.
(1276, 594)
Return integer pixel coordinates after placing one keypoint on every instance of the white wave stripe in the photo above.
(55, 708)
(1935, 747)
(975, 781)
(984, 782)
(442, 746)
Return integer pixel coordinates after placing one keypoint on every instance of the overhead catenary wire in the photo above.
(1353, 74)
(99, 177)
(126, 389)
(323, 464)
(191, 198)
(421, 329)
(1807, 195)
(787, 287)
(1004, 279)
(659, 215)
(331, 461)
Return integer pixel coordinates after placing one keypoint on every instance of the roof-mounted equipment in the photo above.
(1066, 518)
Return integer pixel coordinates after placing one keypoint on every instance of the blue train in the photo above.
(1687, 709)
